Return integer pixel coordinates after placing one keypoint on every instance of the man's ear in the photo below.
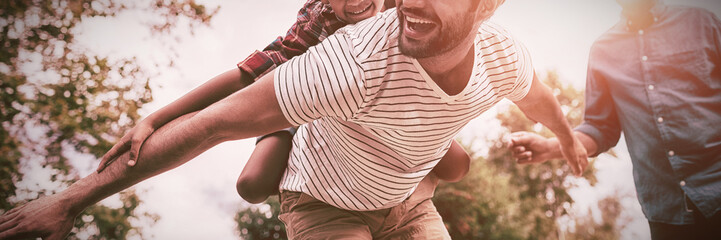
(486, 8)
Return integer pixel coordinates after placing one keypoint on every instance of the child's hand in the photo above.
(528, 147)
(132, 140)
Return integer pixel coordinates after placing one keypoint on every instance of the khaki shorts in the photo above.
(415, 218)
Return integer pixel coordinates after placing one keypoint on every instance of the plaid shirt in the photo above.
(315, 22)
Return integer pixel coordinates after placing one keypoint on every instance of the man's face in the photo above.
(432, 27)
(353, 11)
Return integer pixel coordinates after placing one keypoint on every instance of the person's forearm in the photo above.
(587, 141)
(540, 105)
(172, 145)
(250, 112)
(203, 96)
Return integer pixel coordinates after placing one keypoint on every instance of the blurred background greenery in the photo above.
(80, 103)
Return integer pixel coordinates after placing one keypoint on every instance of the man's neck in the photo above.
(452, 69)
(639, 18)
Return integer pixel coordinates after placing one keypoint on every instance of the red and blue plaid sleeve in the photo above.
(315, 22)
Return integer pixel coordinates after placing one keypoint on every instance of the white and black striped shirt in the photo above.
(373, 122)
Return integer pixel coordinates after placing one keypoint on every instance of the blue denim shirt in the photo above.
(661, 87)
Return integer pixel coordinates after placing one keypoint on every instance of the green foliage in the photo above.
(586, 228)
(258, 223)
(482, 206)
(112, 223)
(58, 97)
(543, 187)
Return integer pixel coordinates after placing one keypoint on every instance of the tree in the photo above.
(261, 221)
(585, 227)
(500, 199)
(484, 205)
(60, 100)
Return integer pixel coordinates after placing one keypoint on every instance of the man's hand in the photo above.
(575, 154)
(529, 147)
(132, 140)
(45, 217)
(541, 105)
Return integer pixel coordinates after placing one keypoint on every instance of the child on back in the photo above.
(263, 171)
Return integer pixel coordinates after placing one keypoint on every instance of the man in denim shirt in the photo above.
(656, 77)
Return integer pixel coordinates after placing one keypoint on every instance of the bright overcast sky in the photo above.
(198, 200)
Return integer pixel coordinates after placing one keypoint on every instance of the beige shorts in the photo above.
(415, 218)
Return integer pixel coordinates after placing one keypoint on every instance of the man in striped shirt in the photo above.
(378, 103)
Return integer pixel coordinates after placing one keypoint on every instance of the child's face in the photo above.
(353, 11)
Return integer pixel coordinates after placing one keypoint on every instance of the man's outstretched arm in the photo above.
(540, 105)
(249, 112)
(529, 147)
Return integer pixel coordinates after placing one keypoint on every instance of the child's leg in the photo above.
(454, 165)
(262, 173)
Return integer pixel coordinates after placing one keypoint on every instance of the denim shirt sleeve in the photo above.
(716, 32)
(600, 118)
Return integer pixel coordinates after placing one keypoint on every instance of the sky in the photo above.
(198, 200)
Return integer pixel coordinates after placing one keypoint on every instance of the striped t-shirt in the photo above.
(372, 122)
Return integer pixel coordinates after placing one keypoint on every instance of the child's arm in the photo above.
(264, 169)
(454, 165)
(210, 92)
(315, 22)
(262, 173)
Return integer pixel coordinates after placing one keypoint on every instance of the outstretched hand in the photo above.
(527, 147)
(132, 141)
(576, 155)
(45, 218)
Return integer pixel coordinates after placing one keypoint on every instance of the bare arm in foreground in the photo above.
(540, 105)
(528, 147)
(236, 117)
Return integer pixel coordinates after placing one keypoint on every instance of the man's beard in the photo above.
(451, 35)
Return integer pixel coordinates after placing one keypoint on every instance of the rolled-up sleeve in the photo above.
(600, 118)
